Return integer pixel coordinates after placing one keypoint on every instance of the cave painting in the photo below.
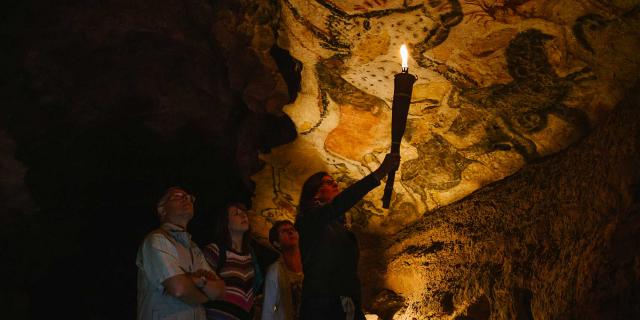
(500, 84)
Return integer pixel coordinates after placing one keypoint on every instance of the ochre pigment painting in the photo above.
(500, 84)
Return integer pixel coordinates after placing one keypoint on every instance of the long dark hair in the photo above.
(223, 236)
(309, 190)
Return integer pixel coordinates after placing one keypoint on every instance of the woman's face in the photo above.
(328, 190)
(238, 219)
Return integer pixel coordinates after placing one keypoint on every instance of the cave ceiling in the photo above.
(500, 84)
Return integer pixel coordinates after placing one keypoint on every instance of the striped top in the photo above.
(237, 273)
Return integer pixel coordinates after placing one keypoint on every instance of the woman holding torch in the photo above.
(331, 288)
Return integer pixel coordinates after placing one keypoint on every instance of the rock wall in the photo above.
(505, 87)
(557, 240)
(500, 84)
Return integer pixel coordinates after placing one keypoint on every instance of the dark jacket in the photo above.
(329, 251)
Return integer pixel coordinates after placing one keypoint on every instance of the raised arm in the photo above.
(354, 193)
(346, 199)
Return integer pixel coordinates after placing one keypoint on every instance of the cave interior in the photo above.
(518, 195)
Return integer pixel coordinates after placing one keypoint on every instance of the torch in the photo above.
(403, 85)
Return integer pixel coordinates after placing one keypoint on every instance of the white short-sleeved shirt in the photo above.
(166, 252)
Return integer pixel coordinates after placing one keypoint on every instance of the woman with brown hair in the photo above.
(331, 288)
(232, 258)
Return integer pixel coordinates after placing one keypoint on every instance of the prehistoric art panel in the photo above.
(500, 84)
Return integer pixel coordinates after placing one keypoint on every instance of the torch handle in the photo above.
(391, 177)
(402, 89)
(388, 189)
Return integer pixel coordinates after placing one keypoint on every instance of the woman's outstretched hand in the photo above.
(390, 163)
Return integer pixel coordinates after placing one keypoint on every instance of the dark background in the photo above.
(104, 105)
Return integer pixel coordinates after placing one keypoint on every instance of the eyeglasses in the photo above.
(181, 196)
(328, 181)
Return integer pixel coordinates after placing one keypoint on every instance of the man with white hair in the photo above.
(174, 279)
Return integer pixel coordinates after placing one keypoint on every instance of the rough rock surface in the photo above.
(557, 240)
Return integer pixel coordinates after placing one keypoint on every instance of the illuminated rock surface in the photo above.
(502, 86)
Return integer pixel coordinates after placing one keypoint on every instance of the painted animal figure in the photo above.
(510, 112)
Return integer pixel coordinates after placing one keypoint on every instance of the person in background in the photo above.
(173, 277)
(331, 288)
(231, 256)
(283, 284)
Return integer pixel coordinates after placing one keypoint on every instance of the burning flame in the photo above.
(405, 56)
